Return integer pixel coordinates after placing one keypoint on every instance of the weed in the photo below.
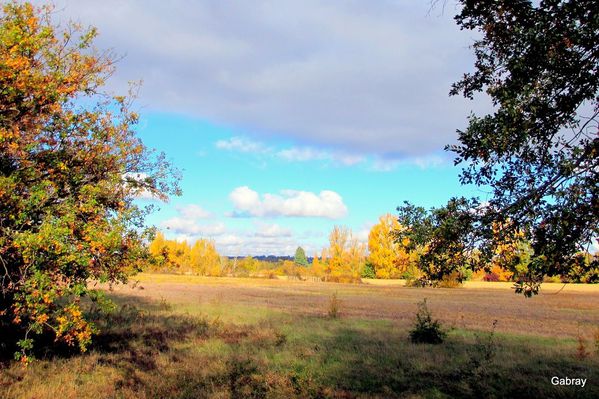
(581, 348)
(476, 373)
(281, 338)
(165, 305)
(426, 330)
(334, 305)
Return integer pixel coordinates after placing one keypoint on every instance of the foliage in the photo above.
(584, 268)
(446, 238)
(368, 271)
(538, 150)
(387, 255)
(179, 257)
(346, 256)
(70, 169)
(300, 257)
(426, 330)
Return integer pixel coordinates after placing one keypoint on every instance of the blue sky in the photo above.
(218, 162)
(289, 117)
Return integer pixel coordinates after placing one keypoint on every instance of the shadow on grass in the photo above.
(387, 364)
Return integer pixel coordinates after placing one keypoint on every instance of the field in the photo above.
(194, 337)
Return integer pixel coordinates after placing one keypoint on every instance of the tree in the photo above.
(346, 256)
(70, 169)
(386, 254)
(300, 257)
(448, 239)
(538, 151)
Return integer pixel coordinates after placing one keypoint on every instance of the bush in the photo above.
(334, 305)
(426, 330)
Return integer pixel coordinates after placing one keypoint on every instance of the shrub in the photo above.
(334, 305)
(426, 330)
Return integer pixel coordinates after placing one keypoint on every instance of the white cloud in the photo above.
(358, 76)
(193, 211)
(339, 158)
(241, 144)
(423, 162)
(187, 223)
(327, 204)
(272, 230)
(303, 154)
(191, 227)
(247, 243)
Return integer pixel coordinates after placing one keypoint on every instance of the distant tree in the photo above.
(71, 167)
(387, 255)
(346, 255)
(538, 150)
(300, 257)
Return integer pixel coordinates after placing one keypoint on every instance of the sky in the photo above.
(289, 117)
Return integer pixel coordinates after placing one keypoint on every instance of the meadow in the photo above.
(175, 336)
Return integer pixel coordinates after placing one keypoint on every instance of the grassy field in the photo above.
(194, 337)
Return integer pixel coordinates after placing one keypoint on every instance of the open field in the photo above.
(194, 337)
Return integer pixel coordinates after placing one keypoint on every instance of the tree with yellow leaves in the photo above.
(346, 256)
(388, 256)
(179, 257)
(204, 259)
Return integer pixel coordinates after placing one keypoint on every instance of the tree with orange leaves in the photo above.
(70, 169)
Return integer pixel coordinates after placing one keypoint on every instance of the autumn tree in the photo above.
(538, 149)
(387, 255)
(204, 259)
(319, 264)
(70, 169)
(175, 256)
(346, 255)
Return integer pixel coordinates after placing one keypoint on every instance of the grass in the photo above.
(244, 338)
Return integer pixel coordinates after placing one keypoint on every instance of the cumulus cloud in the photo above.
(193, 211)
(263, 239)
(192, 227)
(272, 230)
(188, 224)
(326, 204)
(368, 77)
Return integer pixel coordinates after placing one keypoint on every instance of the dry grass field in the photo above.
(194, 337)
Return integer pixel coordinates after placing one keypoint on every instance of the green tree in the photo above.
(538, 150)
(447, 238)
(300, 257)
(70, 169)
